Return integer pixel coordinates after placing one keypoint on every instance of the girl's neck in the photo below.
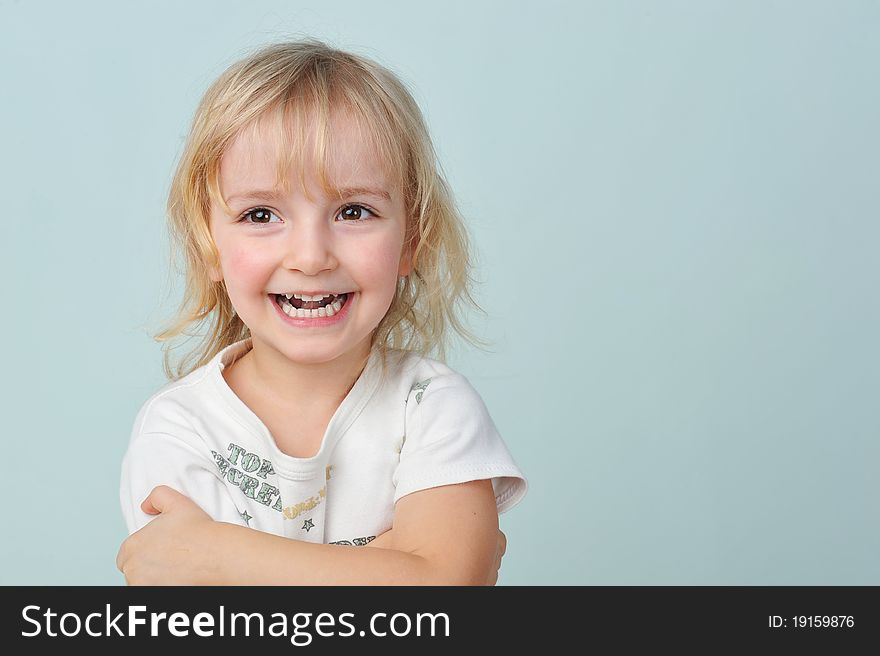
(300, 387)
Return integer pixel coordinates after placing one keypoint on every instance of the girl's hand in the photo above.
(176, 548)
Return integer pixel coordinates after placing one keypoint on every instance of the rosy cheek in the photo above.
(381, 264)
(243, 262)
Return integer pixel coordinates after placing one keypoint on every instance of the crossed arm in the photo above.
(445, 535)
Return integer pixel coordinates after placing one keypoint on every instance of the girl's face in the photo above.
(289, 244)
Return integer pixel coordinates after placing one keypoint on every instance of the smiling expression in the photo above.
(277, 241)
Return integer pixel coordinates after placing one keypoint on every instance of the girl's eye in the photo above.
(259, 215)
(353, 213)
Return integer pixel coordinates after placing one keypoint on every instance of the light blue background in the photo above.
(675, 211)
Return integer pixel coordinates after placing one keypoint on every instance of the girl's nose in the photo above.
(309, 248)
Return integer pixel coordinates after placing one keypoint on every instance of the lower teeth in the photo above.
(302, 313)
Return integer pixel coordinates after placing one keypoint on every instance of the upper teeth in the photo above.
(306, 297)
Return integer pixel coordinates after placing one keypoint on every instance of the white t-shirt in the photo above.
(421, 426)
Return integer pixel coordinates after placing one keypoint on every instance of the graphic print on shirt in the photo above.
(357, 542)
(237, 469)
(421, 387)
(251, 463)
(297, 509)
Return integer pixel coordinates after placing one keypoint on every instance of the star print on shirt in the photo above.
(307, 525)
(247, 518)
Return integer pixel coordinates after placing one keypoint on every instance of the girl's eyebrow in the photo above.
(364, 191)
(254, 195)
(341, 192)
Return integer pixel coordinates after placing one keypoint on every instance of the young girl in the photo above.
(324, 247)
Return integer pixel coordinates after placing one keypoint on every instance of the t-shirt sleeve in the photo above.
(450, 438)
(159, 459)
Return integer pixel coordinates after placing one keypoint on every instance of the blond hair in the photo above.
(288, 82)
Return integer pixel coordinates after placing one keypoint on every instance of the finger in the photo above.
(502, 543)
(161, 499)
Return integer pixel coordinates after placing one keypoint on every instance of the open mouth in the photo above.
(297, 308)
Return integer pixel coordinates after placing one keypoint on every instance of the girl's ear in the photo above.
(406, 258)
(406, 266)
